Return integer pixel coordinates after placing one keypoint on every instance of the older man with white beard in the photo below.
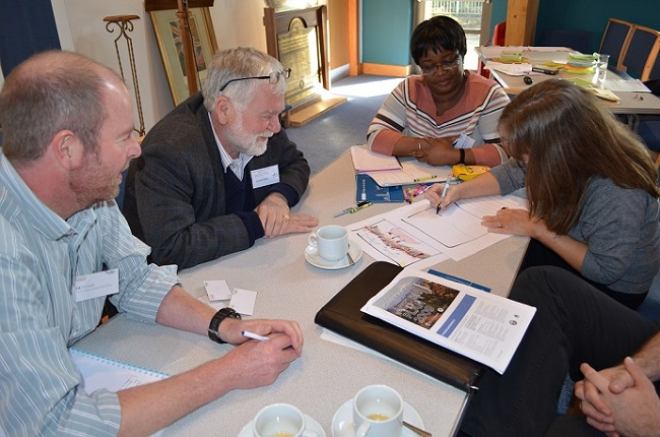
(218, 173)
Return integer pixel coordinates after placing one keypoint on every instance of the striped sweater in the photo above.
(410, 111)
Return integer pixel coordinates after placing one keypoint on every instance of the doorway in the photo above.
(473, 15)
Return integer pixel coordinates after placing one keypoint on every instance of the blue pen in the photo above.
(459, 280)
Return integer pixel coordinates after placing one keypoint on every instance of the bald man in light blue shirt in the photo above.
(68, 136)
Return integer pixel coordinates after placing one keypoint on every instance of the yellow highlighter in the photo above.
(467, 172)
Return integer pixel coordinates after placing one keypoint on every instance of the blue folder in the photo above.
(369, 190)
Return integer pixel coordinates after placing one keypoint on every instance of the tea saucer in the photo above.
(312, 425)
(312, 257)
(342, 422)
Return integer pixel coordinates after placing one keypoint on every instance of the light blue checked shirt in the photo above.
(40, 257)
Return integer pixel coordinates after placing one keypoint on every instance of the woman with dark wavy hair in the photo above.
(591, 187)
(426, 113)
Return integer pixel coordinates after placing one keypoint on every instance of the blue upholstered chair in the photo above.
(615, 39)
(641, 52)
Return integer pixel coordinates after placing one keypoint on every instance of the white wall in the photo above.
(81, 28)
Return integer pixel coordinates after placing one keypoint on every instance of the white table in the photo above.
(632, 103)
(327, 374)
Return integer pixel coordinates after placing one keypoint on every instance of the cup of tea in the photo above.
(378, 412)
(331, 242)
(280, 420)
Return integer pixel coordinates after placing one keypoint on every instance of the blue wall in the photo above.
(26, 28)
(386, 30)
(592, 15)
(387, 24)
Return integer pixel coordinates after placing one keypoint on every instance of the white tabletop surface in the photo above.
(631, 102)
(288, 287)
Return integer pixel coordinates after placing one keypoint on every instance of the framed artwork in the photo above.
(170, 43)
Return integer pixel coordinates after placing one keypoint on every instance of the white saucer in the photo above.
(342, 422)
(312, 257)
(312, 425)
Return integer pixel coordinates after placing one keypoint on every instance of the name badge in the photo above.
(464, 142)
(265, 176)
(97, 285)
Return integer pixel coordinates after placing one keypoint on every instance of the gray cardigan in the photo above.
(620, 227)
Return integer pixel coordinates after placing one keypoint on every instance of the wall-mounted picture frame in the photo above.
(170, 44)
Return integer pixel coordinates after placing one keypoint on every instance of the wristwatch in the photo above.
(462, 157)
(221, 315)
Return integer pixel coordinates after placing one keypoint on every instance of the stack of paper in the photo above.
(364, 161)
(603, 93)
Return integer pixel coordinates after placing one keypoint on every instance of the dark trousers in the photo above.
(539, 255)
(574, 323)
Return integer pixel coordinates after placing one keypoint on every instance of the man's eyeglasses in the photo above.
(273, 77)
(446, 66)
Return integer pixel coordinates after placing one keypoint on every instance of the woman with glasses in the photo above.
(447, 115)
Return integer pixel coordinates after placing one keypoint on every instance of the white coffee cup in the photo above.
(378, 412)
(330, 241)
(280, 420)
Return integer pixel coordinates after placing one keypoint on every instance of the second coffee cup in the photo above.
(330, 241)
(378, 412)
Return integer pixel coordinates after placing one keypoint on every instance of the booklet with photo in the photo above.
(484, 327)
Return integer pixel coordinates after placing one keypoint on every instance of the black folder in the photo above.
(342, 315)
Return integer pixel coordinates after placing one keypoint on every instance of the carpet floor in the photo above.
(326, 137)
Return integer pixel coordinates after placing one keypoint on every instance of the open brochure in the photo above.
(470, 322)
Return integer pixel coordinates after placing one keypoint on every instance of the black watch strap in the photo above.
(221, 315)
(462, 156)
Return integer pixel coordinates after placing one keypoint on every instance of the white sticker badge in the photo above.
(265, 176)
(97, 284)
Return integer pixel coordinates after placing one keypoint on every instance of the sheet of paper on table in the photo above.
(397, 236)
(490, 52)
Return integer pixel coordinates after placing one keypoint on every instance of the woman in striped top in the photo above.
(425, 115)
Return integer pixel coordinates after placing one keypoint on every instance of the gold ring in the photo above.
(286, 216)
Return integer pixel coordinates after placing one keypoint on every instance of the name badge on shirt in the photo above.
(97, 285)
(265, 176)
(463, 142)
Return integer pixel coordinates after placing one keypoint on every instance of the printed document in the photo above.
(478, 325)
(416, 234)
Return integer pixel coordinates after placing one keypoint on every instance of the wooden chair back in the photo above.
(641, 52)
(615, 38)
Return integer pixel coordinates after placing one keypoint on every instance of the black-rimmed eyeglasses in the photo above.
(273, 77)
(445, 65)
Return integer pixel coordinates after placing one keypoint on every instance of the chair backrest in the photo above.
(654, 72)
(616, 36)
(499, 33)
(641, 52)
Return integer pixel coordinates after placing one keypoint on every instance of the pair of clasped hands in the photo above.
(506, 221)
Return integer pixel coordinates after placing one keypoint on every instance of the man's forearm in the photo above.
(182, 311)
(648, 358)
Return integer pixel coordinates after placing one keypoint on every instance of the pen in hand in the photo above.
(253, 336)
(442, 197)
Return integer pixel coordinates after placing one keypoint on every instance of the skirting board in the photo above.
(308, 113)
(387, 70)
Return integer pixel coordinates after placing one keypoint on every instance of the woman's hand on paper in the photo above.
(512, 221)
(434, 195)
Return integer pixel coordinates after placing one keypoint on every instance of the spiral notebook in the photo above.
(102, 373)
